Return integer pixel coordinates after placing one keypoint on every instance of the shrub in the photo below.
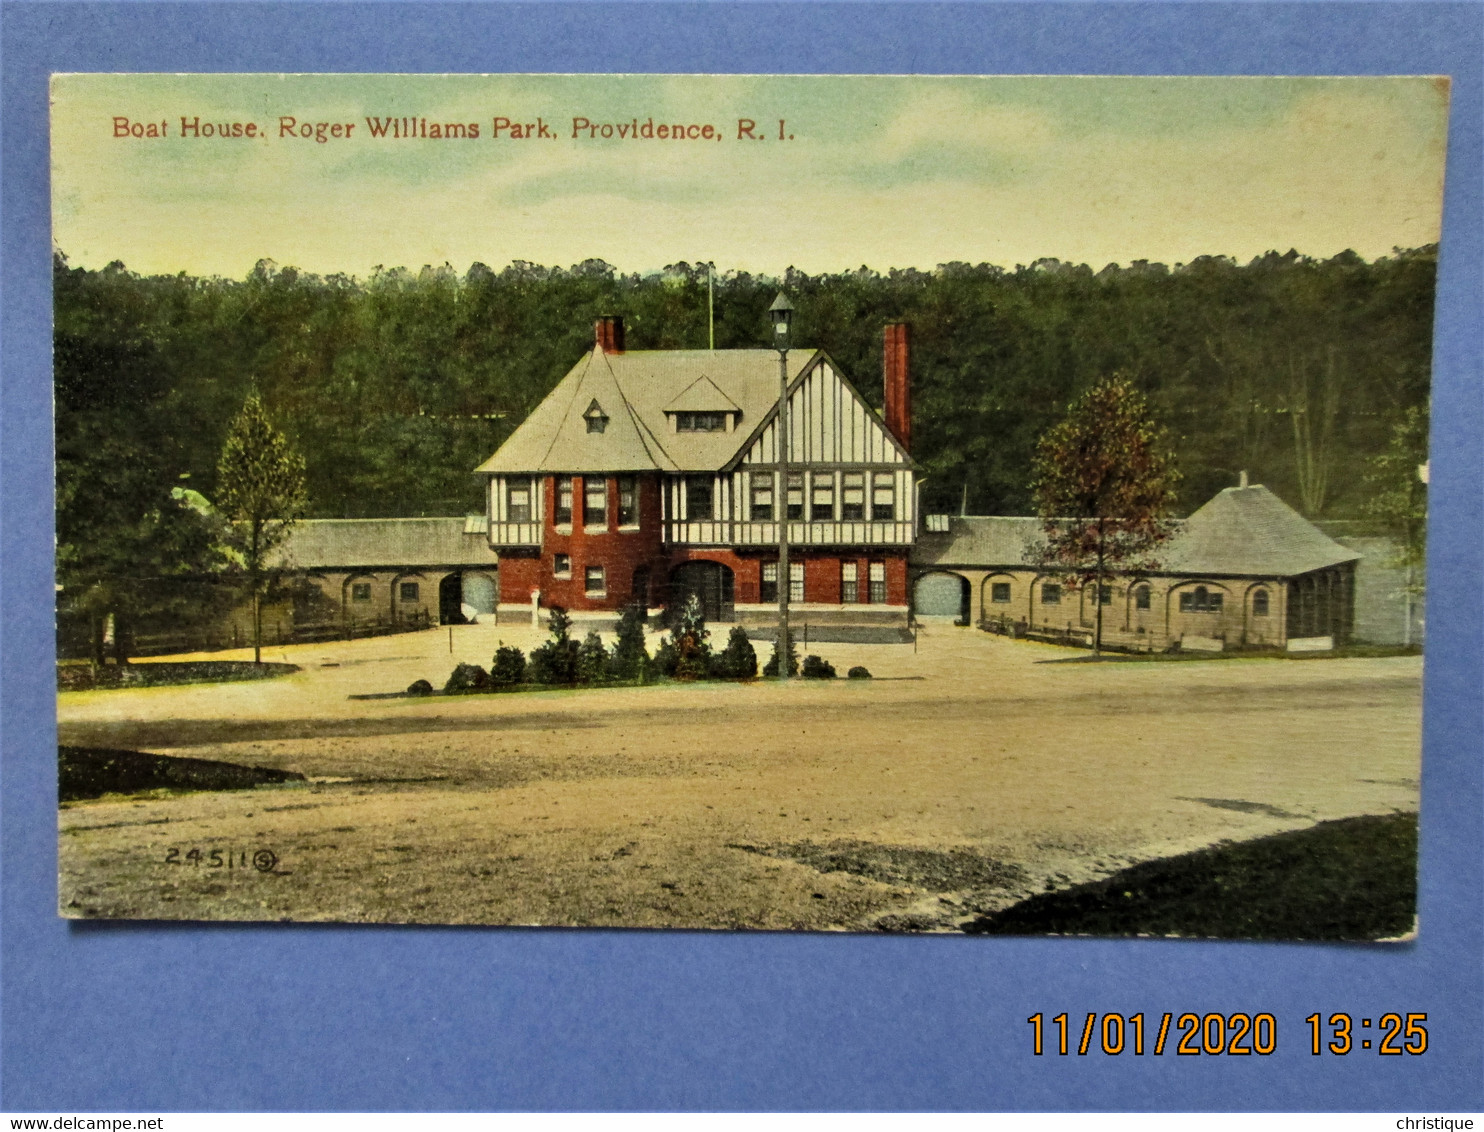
(555, 662)
(771, 668)
(859, 672)
(738, 661)
(688, 634)
(817, 668)
(466, 678)
(509, 666)
(629, 655)
(592, 660)
(666, 658)
(419, 688)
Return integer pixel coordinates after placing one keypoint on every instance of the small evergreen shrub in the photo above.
(629, 656)
(419, 688)
(509, 667)
(666, 658)
(555, 662)
(689, 633)
(738, 661)
(859, 672)
(466, 678)
(771, 668)
(817, 668)
(592, 660)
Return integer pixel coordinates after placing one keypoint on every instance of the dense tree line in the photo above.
(396, 386)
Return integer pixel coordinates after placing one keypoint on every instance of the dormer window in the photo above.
(701, 422)
(703, 407)
(596, 419)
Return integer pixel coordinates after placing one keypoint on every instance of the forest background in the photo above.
(395, 387)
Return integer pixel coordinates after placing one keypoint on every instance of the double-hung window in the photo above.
(768, 590)
(594, 502)
(795, 495)
(563, 516)
(822, 498)
(878, 583)
(699, 496)
(518, 501)
(883, 497)
(628, 501)
(853, 496)
(849, 583)
(762, 498)
(597, 583)
(795, 581)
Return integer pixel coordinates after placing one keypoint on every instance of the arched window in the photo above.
(1260, 603)
(1141, 597)
(1200, 600)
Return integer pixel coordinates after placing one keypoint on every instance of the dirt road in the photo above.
(971, 774)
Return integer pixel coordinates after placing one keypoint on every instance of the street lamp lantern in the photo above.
(782, 313)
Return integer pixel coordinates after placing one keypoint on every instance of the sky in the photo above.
(886, 172)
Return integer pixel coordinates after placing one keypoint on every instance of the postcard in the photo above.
(854, 503)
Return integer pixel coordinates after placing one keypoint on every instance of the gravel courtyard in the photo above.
(970, 774)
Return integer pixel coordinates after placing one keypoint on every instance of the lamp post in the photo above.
(781, 312)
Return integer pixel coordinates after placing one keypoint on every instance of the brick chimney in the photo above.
(896, 371)
(608, 333)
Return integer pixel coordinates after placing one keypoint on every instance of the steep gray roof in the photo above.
(635, 389)
(1242, 531)
(1251, 532)
(332, 544)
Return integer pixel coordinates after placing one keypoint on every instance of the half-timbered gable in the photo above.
(851, 481)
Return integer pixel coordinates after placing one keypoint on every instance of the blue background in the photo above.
(206, 1017)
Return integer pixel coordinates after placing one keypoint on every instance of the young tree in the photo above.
(629, 654)
(592, 660)
(738, 661)
(771, 668)
(260, 491)
(1400, 502)
(555, 661)
(1104, 482)
(689, 636)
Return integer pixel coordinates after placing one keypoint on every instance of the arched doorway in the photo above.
(942, 597)
(481, 593)
(451, 600)
(710, 582)
(462, 597)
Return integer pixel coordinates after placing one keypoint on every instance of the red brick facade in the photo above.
(624, 551)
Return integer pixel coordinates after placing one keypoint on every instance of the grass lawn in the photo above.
(1354, 879)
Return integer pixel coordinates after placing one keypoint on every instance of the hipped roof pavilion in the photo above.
(1243, 532)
